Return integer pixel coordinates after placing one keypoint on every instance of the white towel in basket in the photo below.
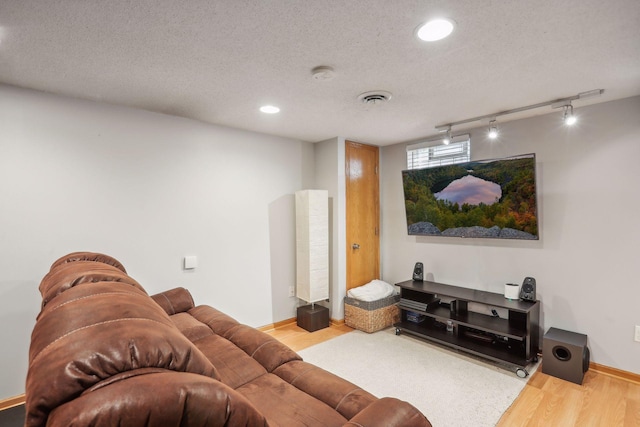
(372, 291)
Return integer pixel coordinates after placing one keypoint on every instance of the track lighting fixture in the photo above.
(493, 129)
(569, 118)
(565, 103)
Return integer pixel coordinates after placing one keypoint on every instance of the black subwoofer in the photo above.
(565, 355)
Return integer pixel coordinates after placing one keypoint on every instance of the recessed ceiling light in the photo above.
(436, 29)
(269, 109)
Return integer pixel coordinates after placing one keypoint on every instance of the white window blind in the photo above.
(424, 155)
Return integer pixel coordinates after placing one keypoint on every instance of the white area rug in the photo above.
(451, 389)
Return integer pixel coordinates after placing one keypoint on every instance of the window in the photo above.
(424, 155)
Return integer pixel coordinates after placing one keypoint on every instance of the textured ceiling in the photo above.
(218, 61)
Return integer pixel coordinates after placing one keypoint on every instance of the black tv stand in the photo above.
(426, 308)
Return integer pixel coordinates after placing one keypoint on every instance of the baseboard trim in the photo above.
(287, 322)
(336, 322)
(11, 402)
(277, 325)
(614, 372)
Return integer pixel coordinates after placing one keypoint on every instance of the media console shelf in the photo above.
(441, 313)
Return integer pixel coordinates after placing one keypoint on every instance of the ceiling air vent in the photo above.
(375, 97)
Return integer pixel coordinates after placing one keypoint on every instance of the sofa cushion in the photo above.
(284, 405)
(268, 351)
(190, 326)
(343, 396)
(219, 322)
(234, 366)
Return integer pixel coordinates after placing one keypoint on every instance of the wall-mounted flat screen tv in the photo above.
(486, 198)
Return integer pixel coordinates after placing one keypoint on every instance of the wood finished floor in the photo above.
(298, 339)
(601, 400)
(546, 401)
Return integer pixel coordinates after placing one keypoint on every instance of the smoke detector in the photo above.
(323, 73)
(374, 97)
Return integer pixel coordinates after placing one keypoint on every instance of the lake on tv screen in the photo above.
(471, 190)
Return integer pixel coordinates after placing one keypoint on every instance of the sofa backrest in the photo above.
(66, 276)
(88, 256)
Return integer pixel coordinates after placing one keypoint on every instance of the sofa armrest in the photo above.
(173, 301)
(157, 400)
(389, 412)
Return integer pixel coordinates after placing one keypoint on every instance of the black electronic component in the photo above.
(418, 272)
(528, 289)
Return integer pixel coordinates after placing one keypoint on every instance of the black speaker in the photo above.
(418, 272)
(565, 355)
(528, 289)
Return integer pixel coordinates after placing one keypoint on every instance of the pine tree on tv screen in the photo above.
(489, 198)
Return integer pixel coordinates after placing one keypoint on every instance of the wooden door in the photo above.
(363, 214)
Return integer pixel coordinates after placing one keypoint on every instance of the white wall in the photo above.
(586, 262)
(147, 189)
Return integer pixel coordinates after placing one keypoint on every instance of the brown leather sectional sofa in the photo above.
(104, 353)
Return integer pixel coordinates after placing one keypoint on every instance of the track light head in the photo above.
(493, 129)
(569, 118)
(447, 138)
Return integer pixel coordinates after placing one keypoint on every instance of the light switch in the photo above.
(190, 262)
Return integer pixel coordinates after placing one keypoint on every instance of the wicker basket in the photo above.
(371, 316)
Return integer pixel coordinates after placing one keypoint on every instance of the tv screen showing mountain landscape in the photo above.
(487, 198)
